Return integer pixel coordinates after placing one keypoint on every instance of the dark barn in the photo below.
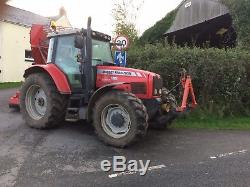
(200, 22)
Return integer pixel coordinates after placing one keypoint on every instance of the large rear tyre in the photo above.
(42, 106)
(120, 118)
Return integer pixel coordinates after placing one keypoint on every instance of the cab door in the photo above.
(66, 60)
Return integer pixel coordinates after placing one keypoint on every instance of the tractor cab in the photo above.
(67, 50)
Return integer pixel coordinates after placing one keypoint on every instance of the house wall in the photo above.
(14, 40)
(1, 51)
(13, 43)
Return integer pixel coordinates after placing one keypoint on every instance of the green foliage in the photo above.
(221, 78)
(124, 14)
(10, 85)
(240, 10)
(229, 123)
(155, 33)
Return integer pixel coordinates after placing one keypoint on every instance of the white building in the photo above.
(15, 52)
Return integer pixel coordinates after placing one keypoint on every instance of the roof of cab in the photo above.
(70, 31)
(65, 31)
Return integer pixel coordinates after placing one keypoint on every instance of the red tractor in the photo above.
(74, 78)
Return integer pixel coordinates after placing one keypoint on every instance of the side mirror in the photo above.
(79, 42)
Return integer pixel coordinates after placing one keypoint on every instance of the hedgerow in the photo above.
(221, 78)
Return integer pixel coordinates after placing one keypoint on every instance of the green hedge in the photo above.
(221, 78)
(7, 85)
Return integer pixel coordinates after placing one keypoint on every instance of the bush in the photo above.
(221, 78)
(240, 11)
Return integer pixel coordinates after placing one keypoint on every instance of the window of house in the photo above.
(28, 56)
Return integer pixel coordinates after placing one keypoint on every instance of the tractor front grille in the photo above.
(157, 85)
(138, 88)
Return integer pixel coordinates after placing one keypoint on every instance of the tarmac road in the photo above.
(71, 156)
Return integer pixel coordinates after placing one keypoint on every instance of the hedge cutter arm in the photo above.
(188, 90)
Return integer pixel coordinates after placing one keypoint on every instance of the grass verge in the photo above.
(10, 85)
(236, 123)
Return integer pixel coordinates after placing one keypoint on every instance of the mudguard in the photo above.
(99, 92)
(59, 78)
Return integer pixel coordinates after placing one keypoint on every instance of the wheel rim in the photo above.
(115, 121)
(36, 102)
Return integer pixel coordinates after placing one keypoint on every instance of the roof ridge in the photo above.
(22, 17)
(25, 17)
(25, 10)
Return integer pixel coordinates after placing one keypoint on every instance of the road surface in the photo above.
(71, 156)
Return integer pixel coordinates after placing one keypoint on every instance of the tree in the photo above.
(125, 15)
(155, 33)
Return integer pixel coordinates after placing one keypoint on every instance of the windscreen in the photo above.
(101, 52)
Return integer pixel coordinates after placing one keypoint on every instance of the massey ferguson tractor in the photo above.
(74, 78)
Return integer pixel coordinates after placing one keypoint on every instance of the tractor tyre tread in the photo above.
(55, 113)
(138, 115)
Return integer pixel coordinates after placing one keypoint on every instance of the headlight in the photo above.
(155, 92)
(157, 85)
(160, 91)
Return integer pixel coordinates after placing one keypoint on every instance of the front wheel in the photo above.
(120, 118)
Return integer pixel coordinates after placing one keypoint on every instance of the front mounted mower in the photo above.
(74, 78)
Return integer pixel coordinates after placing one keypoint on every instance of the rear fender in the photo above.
(55, 73)
(101, 91)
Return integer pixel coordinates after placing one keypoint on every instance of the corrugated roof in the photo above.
(193, 12)
(22, 17)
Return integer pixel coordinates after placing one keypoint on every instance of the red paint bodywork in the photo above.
(55, 73)
(110, 74)
(102, 79)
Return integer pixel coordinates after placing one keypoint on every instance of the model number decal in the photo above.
(117, 72)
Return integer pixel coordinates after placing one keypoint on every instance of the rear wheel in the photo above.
(42, 106)
(120, 118)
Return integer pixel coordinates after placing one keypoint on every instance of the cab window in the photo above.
(66, 59)
(101, 52)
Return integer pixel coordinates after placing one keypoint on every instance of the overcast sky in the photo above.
(100, 10)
